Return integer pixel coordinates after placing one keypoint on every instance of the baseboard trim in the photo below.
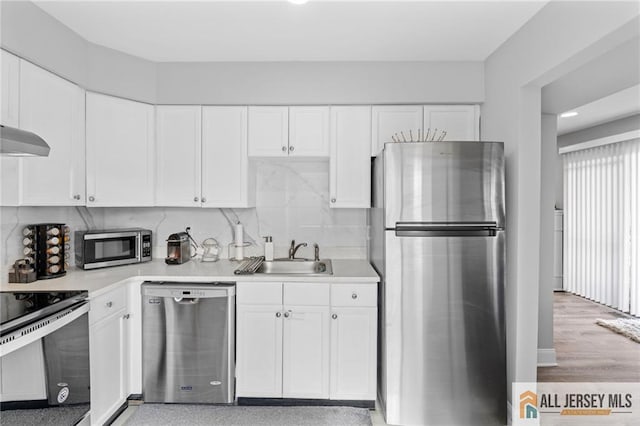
(547, 358)
(307, 402)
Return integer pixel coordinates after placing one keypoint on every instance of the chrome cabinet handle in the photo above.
(333, 200)
(354, 296)
(195, 199)
(334, 316)
(204, 200)
(109, 304)
(76, 197)
(92, 198)
(287, 314)
(278, 314)
(284, 149)
(127, 316)
(291, 148)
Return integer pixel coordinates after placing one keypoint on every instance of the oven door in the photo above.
(44, 370)
(111, 249)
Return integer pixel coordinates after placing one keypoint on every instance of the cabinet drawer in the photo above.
(306, 294)
(259, 293)
(108, 304)
(354, 295)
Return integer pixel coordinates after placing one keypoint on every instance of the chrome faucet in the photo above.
(294, 248)
(316, 252)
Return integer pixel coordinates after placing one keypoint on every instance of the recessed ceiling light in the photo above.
(298, 1)
(568, 114)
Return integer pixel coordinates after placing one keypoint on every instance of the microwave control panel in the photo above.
(146, 246)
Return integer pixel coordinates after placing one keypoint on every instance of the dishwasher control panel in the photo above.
(177, 290)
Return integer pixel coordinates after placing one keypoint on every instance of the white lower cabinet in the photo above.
(282, 340)
(259, 350)
(109, 354)
(288, 345)
(353, 353)
(305, 351)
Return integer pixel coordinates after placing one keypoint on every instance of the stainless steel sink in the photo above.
(296, 267)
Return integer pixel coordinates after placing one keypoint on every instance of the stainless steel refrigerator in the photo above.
(438, 243)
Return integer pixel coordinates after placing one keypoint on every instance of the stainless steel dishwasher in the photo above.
(188, 346)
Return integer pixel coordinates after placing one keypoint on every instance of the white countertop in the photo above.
(100, 280)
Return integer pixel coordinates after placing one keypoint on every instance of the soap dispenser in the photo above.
(268, 249)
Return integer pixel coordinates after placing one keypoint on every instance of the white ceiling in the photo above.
(618, 105)
(275, 30)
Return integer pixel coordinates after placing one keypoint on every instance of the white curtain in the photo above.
(602, 224)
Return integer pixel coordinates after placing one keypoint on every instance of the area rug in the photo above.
(178, 414)
(629, 327)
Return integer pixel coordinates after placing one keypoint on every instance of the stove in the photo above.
(22, 308)
(46, 332)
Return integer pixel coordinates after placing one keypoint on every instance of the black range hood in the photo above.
(16, 142)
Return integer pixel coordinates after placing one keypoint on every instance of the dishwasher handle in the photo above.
(187, 300)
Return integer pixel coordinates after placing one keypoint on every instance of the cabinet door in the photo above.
(120, 152)
(392, 119)
(10, 89)
(305, 352)
(178, 133)
(108, 355)
(268, 131)
(350, 162)
(259, 351)
(353, 353)
(461, 122)
(9, 113)
(52, 108)
(309, 131)
(226, 178)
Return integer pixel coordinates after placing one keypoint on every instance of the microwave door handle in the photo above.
(138, 247)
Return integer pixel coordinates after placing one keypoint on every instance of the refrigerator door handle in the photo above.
(451, 229)
(445, 225)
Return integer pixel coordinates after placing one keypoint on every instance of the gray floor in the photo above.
(377, 418)
(56, 416)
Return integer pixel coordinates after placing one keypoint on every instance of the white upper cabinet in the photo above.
(301, 131)
(120, 152)
(309, 131)
(461, 122)
(52, 108)
(10, 89)
(268, 131)
(178, 148)
(227, 180)
(389, 120)
(350, 163)
(9, 114)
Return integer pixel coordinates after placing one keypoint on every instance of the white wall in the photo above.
(603, 130)
(549, 159)
(320, 82)
(32, 34)
(562, 37)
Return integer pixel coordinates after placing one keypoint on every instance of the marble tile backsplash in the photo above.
(292, 202)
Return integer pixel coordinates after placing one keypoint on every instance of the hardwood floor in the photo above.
(587, 352)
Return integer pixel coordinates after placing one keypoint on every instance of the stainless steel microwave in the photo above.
(99, 249)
